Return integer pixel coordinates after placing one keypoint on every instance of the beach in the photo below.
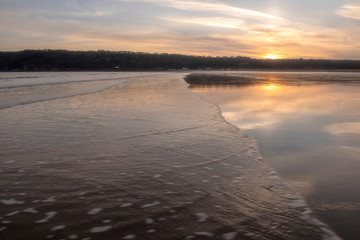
(136, 156)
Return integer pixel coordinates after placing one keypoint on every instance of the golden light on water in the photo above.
(270, 87)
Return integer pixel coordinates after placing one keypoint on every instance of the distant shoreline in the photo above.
(193, 70)
(63, 60)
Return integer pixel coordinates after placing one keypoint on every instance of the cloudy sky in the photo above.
(255, 28)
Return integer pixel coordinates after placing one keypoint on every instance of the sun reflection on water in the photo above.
(271, 87)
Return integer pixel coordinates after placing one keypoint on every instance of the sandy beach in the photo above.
(147, 159)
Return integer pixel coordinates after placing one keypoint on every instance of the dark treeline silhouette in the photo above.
(60, 60)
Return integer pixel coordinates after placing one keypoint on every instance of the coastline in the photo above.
(299, 201)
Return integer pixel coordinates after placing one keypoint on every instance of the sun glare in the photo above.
(272, 56)
(270, 87)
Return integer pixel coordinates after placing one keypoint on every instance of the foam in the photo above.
(150, 204)
(100, 229)
(57, 228)
(94, 211)
(49, 215)
(11, 201)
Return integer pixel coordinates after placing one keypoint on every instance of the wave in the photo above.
(52, 87)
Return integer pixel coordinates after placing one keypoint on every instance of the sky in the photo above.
(326, 29)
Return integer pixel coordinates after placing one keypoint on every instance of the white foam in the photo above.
(126, 205)
(2, 228)
(12, 213)
(49, 215)
(130, 236)
(298, 204)
(50, 199)
(202, 217)
(150, 204)
(151, 231)
(157, 175)
(59, 227)
(107, 221)
(229, 236)
(94, 211)
(31, 210)
(100, 229)
(292, 196)
(11, 201)
(74, 236)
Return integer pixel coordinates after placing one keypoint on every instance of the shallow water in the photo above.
(307, 126)
(137, 157)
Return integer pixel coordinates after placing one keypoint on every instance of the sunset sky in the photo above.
(254, 28)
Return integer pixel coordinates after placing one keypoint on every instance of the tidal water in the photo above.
(134, 156)
(307, 126)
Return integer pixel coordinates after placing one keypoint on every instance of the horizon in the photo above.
(191, 55)
(265, 29)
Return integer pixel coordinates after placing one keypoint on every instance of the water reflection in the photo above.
(307, 126)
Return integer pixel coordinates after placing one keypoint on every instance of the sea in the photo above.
(307, 126)
(146, 155)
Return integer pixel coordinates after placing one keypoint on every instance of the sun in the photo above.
(272, 56)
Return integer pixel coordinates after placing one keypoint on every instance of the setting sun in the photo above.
(272, 56)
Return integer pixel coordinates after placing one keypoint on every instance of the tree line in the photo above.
(63, 60)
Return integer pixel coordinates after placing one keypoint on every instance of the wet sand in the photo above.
(145, 160)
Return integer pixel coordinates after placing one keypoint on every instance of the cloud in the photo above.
(207, 27)
(350, 11)
(219, 22)
(213, 6)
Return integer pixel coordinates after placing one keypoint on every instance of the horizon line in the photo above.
(193, 55)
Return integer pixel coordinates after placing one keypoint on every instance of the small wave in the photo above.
(47, 98)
